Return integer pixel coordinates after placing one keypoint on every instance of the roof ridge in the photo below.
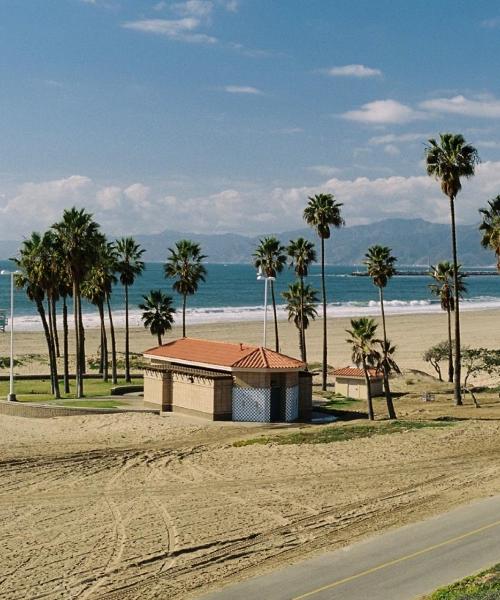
(264, 356)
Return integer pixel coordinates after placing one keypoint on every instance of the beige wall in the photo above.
(305, 396)
(157, 389)
(356, 388)
(252, 379)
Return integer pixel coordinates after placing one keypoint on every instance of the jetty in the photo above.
(427, 273)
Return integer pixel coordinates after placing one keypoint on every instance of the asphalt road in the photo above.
(399, 565)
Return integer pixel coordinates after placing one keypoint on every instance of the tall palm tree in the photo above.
(363, 351)
(301, 253)
(387, 365)
(301, 301)
(490, 226)
(77, 233)
(158, 313)
(34, 265)
(107, 261)
(381, 268)
(185, 265)
(443, 288)
(323, 212)
(129, 266)
(448, 160)
(270, 257)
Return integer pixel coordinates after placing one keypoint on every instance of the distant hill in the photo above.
(413, 241)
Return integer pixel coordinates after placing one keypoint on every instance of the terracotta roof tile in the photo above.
(354, 372)
(224, 354)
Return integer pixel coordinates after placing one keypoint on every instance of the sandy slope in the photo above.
(137, 506)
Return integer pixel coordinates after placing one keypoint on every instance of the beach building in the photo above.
(350, 382)
(226, 381)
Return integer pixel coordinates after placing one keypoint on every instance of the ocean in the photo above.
(232, 293)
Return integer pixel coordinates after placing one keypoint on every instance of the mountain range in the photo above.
(413, 241)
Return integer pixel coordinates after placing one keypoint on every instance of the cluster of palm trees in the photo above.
(73, 259)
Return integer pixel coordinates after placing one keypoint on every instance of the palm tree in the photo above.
(387, 365)
(185, 266)
(77, 233)
(364, 354)
(301, 301)
(269, 256)
(107, 260)
(129, 266)
(301, 253)
(381, 268)
(448, 161)
(158, 313)
(34, 265)
(443, 288)
(490, 227)
(321, 213)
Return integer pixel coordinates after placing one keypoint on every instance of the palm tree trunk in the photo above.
(65, 346)
(301, 343)
(104, 343)
(276, 338)
(450, 348)
(114, 375)
(159, 339)
(323, 290)
(101, 345)
(302, 330)
(82, 347)
(371, 415)
(184, 298)
(50, 345)
(127, 349)
(457, 374)
(387, 389)
(76, 292)
(54, 326)
(51, 339)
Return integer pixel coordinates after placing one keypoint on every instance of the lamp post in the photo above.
(260, 276)
(12, 395)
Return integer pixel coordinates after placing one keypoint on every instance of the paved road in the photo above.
(398, 565)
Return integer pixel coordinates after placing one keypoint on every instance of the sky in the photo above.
(225, 115)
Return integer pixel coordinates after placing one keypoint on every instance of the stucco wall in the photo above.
(157, 390)
(356, 388)
(254, 380)
(305, 396)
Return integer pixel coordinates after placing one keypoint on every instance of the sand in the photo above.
(137, 506)
(412, 334)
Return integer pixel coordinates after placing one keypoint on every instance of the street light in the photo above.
(11, 396)
(260, 276)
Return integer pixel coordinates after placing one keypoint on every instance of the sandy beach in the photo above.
(412, 334)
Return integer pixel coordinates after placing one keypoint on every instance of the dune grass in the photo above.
(335, 433)
(483, 586)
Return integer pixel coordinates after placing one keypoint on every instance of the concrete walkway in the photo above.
(399, 565)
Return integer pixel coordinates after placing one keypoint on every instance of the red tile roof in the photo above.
(223, 354)
(358, 373)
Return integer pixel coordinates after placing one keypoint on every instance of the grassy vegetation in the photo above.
(337, 401)
(38, 390)
(334, 433)
(484, 586)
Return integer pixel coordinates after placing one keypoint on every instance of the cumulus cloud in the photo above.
(483, 107)
(242, 89)
(383, 112)
(360, 71)
(138, 208)
(194, 8)
(184, 29)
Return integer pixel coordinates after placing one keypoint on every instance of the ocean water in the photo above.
(232, 293)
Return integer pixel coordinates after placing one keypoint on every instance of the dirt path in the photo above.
(171, 520)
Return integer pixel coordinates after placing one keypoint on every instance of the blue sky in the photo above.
(224, 115)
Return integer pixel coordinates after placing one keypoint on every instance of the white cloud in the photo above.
(242, 89)
(231, 5)
(176, 29)
(135, 207)
(483, 107)
(383, 111)
(394, 138)
(194, 8)
(491, 23)
(392, 150)
(324, 170)
(352, 71)
(487, 144)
